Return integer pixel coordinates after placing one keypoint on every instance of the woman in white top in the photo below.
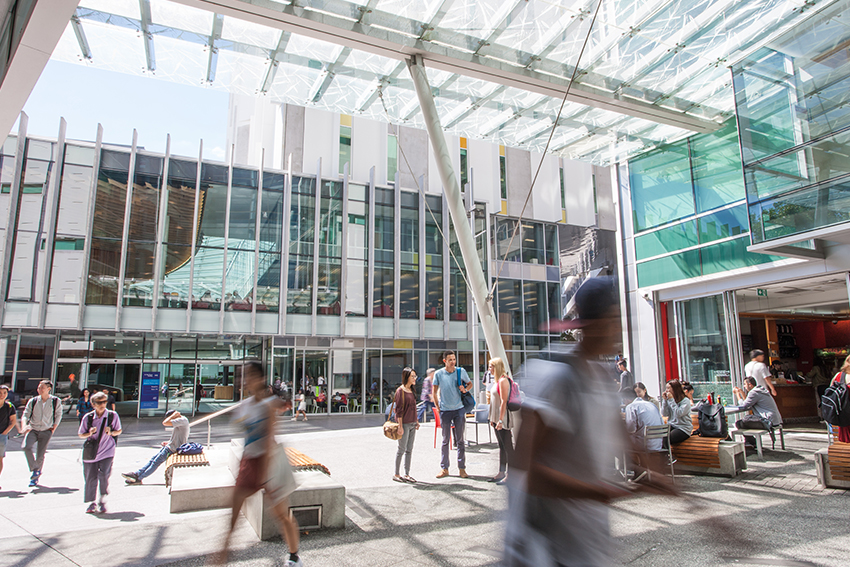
(676, 407)
(500, 417)
(302, 406)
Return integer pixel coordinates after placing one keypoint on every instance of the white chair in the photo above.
(654, 432)
(481, 416)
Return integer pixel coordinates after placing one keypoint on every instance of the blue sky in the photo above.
(85, 97)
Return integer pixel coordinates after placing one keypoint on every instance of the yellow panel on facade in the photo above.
(345, 120)
(504, 210)
(463, 143)
(563, 216)
(502, 151)
(402, 343)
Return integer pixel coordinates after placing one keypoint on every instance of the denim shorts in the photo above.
(3, 445)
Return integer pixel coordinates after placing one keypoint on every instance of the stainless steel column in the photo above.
(52, 210)
(125, 236)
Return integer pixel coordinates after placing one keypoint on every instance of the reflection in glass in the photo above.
(356, 291)
(383, 300)
(330, 248)
(457, 284)
(268, 283)
(532, 242)
(239, 280)
(704, 346)
(409, 251)
(535, 306)
(102, 287)
(301, 240)
(510, 306)
(504, 231)
(433, 258)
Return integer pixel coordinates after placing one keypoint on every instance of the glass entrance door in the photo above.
(219, 384)
(346, 382)
(311, 372)
(703, 329)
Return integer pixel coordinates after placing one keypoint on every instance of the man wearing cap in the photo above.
(179, 435)
(570, 433)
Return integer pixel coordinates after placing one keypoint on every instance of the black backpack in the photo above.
(835, 403)
(712, 420)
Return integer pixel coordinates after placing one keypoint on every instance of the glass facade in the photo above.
(302, 220)
(383, 293)
(792, 115)
(689, 213)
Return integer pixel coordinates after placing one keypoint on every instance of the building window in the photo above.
(409, 249)
(464, 165)
(564, 189)
(344, 141)
(357, 276)
(595, 197)
(180, 223)
(383, 299)
(503, 173)
(433, 258)
(392, 157)
(330, 248)
(299, 298)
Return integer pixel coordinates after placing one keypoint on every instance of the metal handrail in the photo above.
(208, 419)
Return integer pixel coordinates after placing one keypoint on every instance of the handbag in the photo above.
(465, 397)
(91, 444)
(391, 428)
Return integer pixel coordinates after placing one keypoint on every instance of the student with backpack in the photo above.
(500, 418)
(101, 426)
(41, 417)
(843, 376)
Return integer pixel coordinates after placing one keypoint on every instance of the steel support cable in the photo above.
(543, 154)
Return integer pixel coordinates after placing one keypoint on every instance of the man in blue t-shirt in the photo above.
(449, 382)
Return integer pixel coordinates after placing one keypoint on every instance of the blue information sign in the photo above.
(149, 393)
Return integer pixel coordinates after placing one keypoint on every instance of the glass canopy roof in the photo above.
(653, 70)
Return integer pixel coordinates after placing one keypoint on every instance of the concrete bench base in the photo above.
(318, 495)
(733, 461)
(825, 474)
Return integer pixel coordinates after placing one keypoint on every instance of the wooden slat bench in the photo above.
(301, 462)
(176, 460)
(710, 455)
(839, 461)
(698, 452)
(833, 465)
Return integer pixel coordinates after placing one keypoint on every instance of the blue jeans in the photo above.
(423, 411)
(154, 463)
(458, 419)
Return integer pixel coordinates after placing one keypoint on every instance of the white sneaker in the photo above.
(294, 419)
(291, 563)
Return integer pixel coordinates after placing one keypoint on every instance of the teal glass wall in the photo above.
(689, 208)
(793, 117)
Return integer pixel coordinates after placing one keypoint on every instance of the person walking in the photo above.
(83, 405)
(405, 414)
(449, 383)
(627, 381)
(500, 418)
(426, 397)
(8, 420)
(676, 407)
(42, 415)
(302, 406)
(105, 425)
(179, 435)
(257, 416)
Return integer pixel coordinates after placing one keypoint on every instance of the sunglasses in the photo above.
(100, 403)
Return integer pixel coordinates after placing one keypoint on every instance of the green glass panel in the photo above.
(731, 255)
(668, 269)
(716, 158)
(723, 224)
(661, 186)
(666, 240)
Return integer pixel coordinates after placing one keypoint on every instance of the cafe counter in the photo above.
(796, 401)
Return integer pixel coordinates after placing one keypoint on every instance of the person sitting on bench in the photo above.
(179, 435)
(765, 413)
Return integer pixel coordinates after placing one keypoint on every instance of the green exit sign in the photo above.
(762, 292)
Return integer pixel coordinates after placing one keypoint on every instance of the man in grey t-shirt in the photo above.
(179, 435)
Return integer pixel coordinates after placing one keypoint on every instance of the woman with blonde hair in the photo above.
(499, 417)
(843, 374)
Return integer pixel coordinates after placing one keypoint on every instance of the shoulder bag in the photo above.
(465, 397)
(91, 444)
(391, 428)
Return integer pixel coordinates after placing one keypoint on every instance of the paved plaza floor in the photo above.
(773, 514)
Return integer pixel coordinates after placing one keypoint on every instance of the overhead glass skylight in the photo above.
(653, 71)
